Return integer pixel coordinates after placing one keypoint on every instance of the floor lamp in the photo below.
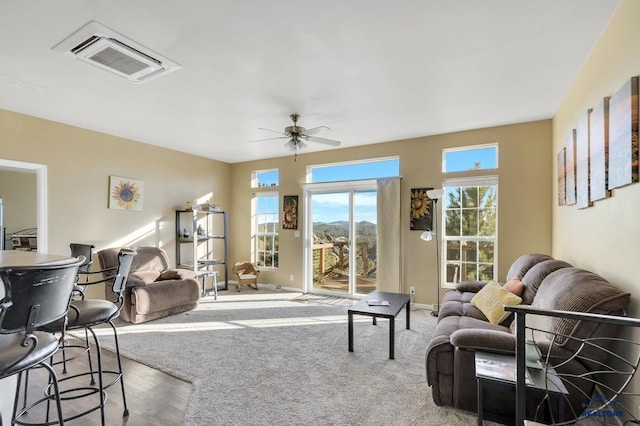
(435, 195)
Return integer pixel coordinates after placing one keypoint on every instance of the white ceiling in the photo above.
(372, 70)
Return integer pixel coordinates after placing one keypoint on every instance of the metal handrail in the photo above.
(609, 319)
(521, 311)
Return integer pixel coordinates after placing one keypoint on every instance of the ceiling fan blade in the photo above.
(316, 130)
(269, 139)
(273, 131)
(321, 140)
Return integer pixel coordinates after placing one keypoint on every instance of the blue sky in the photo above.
(334, 207)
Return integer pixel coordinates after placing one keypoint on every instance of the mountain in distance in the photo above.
(344, 223)
(340, 229)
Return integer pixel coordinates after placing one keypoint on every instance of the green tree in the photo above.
(470, 211)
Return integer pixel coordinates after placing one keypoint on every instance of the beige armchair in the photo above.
(246, 274)
(154, 290)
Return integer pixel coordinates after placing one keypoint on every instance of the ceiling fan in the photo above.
(298, 135)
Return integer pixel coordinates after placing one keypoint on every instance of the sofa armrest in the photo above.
(470, 286)
(141, 278)
(484, 340)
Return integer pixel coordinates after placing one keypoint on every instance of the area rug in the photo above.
(263, 359)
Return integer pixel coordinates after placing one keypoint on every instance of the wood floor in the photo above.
(153, 397)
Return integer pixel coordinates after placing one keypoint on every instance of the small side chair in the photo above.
(246, 274)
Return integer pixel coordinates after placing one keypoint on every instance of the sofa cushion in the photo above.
(460, 309)
(536, 274)
(471, 286)
(574, 289)
(150, 259)
(491, 300)
(525, 262)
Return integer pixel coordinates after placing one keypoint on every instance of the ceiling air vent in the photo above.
(100, 46)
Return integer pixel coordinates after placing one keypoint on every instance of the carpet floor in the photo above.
(266, 358)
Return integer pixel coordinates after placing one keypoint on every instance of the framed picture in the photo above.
(623, 135)
(599, 151)
(583, 196)
(421, 210)
(570, 174)
(290, 212)
(125, 193)
(562, 177)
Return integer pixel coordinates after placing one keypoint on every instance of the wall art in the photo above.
(583, 199)
(562, 177)
(125, 193)
(421, 210)
(570, 161)
(599, 151)
(290, 212)
(623, 135)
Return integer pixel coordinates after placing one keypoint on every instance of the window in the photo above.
(264, 178)
(481, 157)
(470, 231)
(265, 215)
(266, 227)
(367, 169)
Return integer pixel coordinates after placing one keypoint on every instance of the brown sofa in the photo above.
(462, 328)
(153, 290)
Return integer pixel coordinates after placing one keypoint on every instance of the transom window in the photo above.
(479, 157)
(265, 178)
(354, 170)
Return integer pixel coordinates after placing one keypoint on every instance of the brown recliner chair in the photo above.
(154, 290)
(246, 274)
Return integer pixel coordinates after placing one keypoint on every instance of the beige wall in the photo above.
(524, 197)
(79, 164)
(602, 238)
(18, 193)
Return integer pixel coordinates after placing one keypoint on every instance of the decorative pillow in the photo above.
(491, 300)
(169, 274)
(515, 286)
(176, 274)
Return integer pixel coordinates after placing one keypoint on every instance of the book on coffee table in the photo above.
(377, 302)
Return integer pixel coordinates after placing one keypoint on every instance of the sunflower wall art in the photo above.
(125, 194)
(421, 210)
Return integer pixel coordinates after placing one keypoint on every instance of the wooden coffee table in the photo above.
(396, 303)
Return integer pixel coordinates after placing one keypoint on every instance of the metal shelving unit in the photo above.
(201, 244)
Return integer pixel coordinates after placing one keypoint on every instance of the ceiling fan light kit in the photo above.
(297, 135)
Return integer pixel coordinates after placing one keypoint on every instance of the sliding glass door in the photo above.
(331, 237)
(340, 238)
